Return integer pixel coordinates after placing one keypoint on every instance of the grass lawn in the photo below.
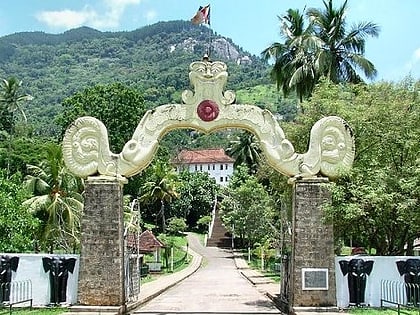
(384, 311)
(34, 311)
(179, 243)
(255, 264)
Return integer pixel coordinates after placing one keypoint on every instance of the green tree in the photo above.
(17, 225)
(120, 108)
(197, 195)
(159, 191)
(10, 102)
(20, 152)
(322, 46)
(203, 223)
(294, 67)
(376, 205)
(247, 212)
(176, 225)
(245, 149)
(281, 193)
(56, 201)
(342, 51)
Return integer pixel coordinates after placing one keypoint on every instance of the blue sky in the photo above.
(251, 24)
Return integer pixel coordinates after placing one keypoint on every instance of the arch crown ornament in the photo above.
(208, 108)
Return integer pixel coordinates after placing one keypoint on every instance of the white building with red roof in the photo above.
(213, 161)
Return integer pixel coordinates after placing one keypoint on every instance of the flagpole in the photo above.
(210, 33)
(209, 42)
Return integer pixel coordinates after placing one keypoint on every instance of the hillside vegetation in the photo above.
(153, 60)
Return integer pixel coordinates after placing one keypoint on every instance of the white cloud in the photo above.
(416, 55)
(109, 18)
(67, 18)
(414, 60)
(151, 15)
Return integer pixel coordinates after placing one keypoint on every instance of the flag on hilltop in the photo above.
(202, 16)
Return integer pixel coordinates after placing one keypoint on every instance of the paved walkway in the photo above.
(152, 289)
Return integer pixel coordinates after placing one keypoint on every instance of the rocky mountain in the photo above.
(153, 59)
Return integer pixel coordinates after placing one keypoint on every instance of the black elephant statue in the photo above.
(59, 268)
(357, 271)
(410, 270)
(7, 266)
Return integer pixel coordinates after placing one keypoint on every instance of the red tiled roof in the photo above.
(202, 156)
(148, 241)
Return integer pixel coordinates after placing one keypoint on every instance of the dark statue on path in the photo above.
(357, 271)
(59, 268)
(7, 266)
(410, 269)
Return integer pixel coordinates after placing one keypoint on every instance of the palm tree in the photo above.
(57, 201)
(245, 150)
(342, 51)
(295, 67)
(161, 189)
(11, 99)
(10, 102)
(322, 47)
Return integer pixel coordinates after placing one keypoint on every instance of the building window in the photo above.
(195, 167)
(226, 166)
(214, 167)
(221, 166)
(201, 167)
(221, 179)
(208, 167)
(226, 179)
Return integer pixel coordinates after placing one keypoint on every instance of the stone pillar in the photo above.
(312, 276)
(101, 275)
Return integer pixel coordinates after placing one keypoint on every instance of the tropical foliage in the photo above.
(17, 225)
(197, 197)
(116, 77)
(247, 210)
(245, 149)
(342, 50)
(152, 60)
(320, 46)
(117, 106)
(11, 101)
(56, 202)
(159, 192)
(377, 204)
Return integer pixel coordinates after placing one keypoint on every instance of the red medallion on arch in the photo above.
(208, 110)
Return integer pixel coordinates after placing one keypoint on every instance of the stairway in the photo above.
(220, 237)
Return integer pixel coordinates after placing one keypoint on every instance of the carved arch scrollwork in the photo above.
(86, 149)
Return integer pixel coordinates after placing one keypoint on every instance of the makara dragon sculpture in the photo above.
(208, 108)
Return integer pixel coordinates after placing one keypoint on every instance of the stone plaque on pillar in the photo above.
(312, 277)
(101, 275)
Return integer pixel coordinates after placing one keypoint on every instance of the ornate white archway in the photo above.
(208, 108)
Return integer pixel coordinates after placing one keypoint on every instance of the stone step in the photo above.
(93, 310)
(220, 235)
(220, 242)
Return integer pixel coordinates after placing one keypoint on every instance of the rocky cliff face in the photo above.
(220, 48)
